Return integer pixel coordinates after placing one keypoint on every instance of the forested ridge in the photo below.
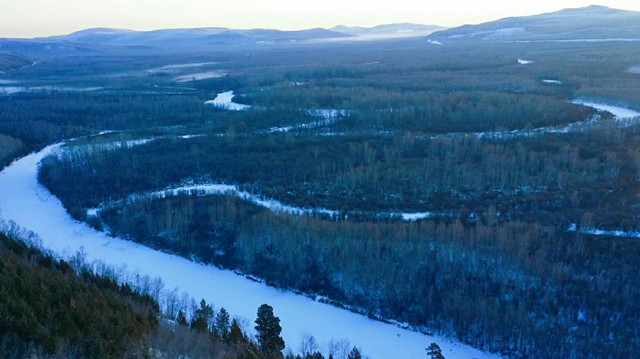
(63, 309)
(49, 309)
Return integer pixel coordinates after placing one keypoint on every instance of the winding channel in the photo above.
(24, 201)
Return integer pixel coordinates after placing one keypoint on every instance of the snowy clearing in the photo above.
(225, 100)
(525, 62)
(553, 82)
(31, 206)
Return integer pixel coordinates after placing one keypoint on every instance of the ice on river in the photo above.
(618, 112)
(225, 100)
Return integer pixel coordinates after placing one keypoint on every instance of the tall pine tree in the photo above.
(434, 351)
(268, 333)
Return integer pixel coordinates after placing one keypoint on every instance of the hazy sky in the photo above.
(29, 18)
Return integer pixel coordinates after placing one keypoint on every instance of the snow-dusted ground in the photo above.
(219, 188)
(618, 112)
(330, 116)
(271, 204)
(225, 100)
(31, 206)
(183, 66)
(200, 76)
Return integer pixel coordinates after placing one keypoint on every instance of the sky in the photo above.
(32, 18)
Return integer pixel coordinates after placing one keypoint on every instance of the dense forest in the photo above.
(63, 309)
(514, 177)
(49, 309)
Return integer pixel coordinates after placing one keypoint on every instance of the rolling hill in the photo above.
(592, 23)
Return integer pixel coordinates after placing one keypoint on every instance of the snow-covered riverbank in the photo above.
(31, 206)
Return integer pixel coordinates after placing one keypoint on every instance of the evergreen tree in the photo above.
(221, 324)
(268, 331)
(203, 317)
(355, 354)
(434, 351)
(181, 319)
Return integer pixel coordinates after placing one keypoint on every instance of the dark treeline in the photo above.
(436, 112)
(587, 177)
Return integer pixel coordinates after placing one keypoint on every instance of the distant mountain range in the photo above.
(193, 37)
(103, 39)
(593, 23)
(587, 23)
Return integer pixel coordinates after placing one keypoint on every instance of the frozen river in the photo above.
(31, 206)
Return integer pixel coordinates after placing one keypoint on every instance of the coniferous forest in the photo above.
(454, 188)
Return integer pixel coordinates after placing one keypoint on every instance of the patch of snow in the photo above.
(618, 112)
(412, 217)
(183, 66)
(330, 116)
(581, 316)
(92, 212)
(186, 137)
(26, 203)
(8, 90)
(434, 42)
(221, 188)
(200, 76)
(604, 232)
(525, 62)
(553, 82)
(224, 100)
